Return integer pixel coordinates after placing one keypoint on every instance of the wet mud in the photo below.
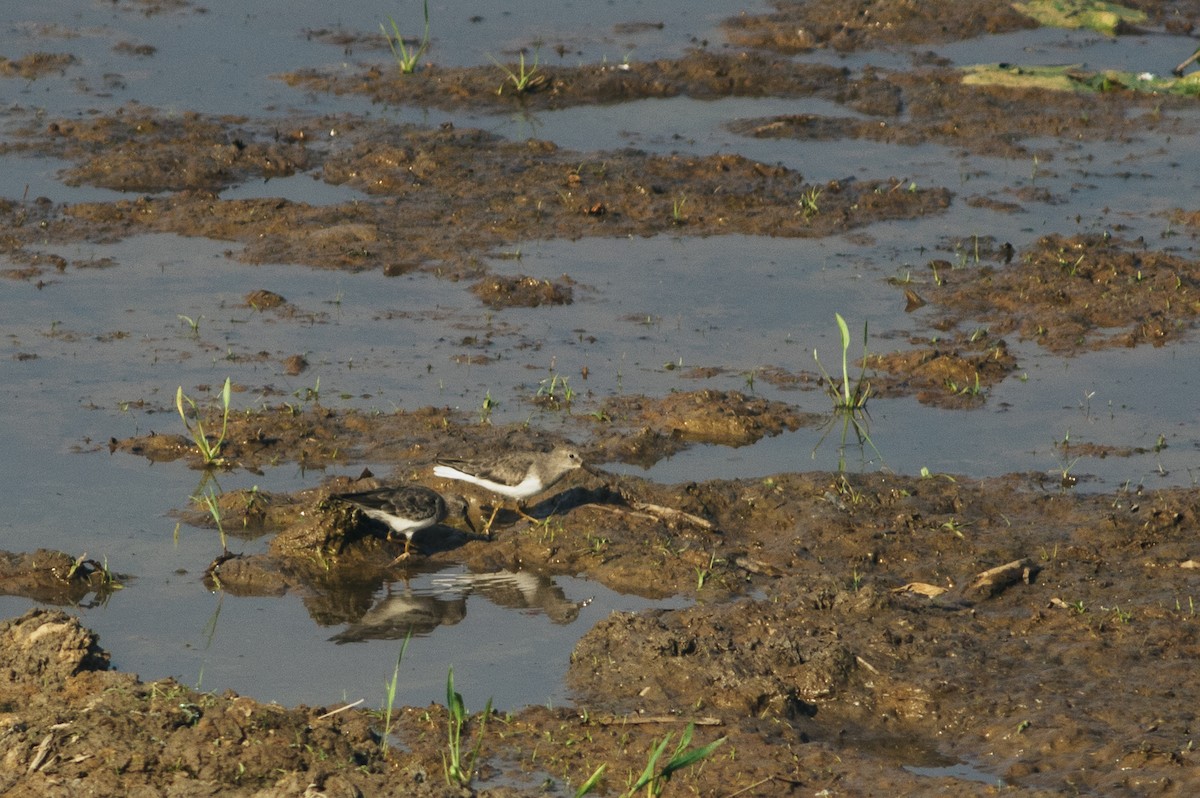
(851, 634)
(846, 626)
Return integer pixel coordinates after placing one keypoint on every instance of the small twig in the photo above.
(671, 514)
(43, 752)
(758, 783)
(1178, 71)
(612, 508)
(867, 665)
(661, 513)
(632, 720)
(993, 581)
(333, 712)
(211, 571)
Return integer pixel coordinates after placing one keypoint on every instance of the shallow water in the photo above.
(108, 338)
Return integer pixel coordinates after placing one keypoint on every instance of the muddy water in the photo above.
(96, 349)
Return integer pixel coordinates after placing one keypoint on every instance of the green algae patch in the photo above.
(1074, 78)
(1095, 14)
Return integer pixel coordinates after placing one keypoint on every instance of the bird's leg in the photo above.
(487, 528)
(404, 555)
(525, 515)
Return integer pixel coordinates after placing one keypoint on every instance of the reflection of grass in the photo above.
(211, 502)
(406, 57)
(210, 451)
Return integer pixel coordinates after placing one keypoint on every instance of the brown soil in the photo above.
(844, 626)
(870, 634)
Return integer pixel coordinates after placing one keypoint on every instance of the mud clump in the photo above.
(1079, 293)
(47, 647)
(879, 636)
(36, 65)
(957, 372)
(424, 216)
(848, 25)
(700, 74)
(53, 577)
(911, 109)
(139, 151)
(522, 291)
(661, 426)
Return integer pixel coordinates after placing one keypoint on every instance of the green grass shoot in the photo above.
(210, 451)
(849, 397)
(460, 769)
(522, 79)
(389, 707)
(844, 396)
(654, 778)
(406, 56)
(591, 782)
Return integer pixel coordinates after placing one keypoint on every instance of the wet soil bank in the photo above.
(846, 627)
(850, 634)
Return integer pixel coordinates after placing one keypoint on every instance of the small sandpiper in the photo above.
(517, 475)
(406, 509)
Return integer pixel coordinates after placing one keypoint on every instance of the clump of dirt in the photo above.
(53, 577)
(36, 65)
(934, 105)
(643, 429)
(632, 429)
(893, 622)
(134, 737)
(1079, 293)
(522, 291)
(852, 25)
(956, 372)
(424, 217)
(263, 299)
(138, 149)
(700, 74)
(46, 648)
(310, 435)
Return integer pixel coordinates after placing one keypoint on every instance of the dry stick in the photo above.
(758, 783)
(658, 512)
(671, 514)
(333, 712)
(1178, 71)
(40, 756)
(640, 719)
(993, 581)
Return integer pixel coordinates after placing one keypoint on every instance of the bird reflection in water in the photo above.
(396, 613)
